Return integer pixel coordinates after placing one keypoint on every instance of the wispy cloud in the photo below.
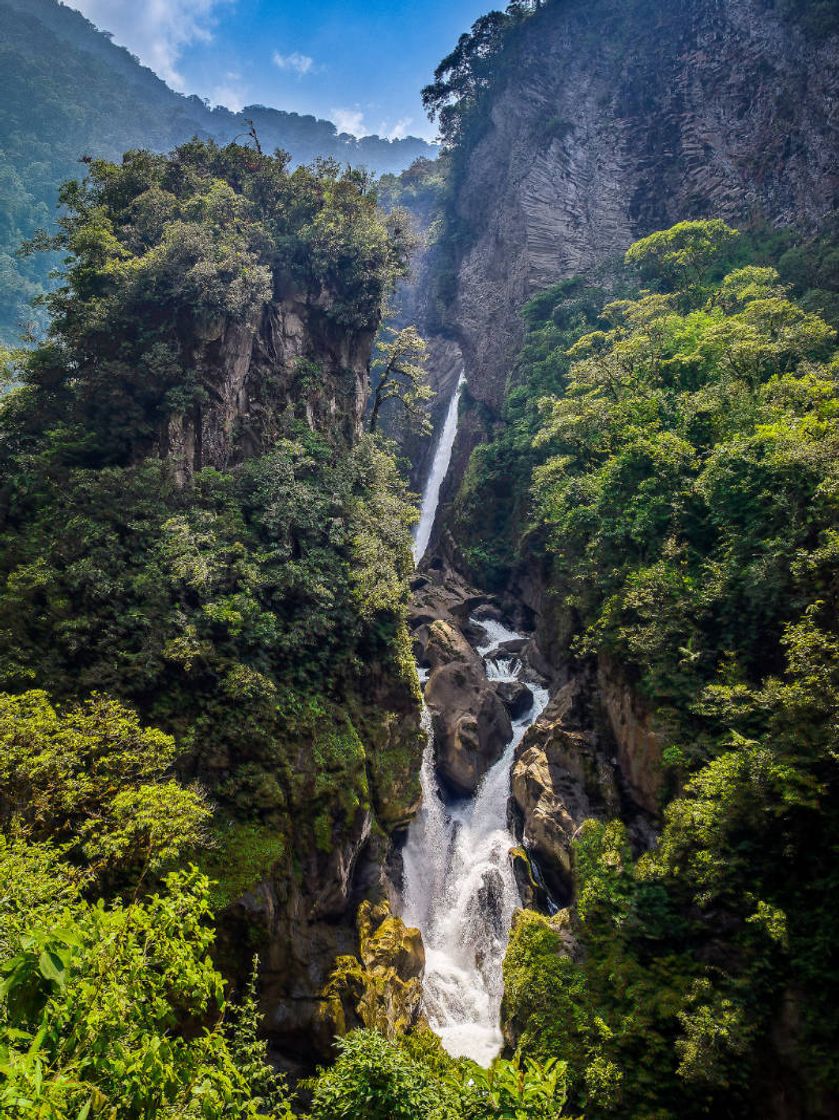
(300, 63)
(155, 30)
(349, 120)
(230, 93)
(396, 131)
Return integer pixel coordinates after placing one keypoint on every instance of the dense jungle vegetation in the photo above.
(267, 589)
(67, 91)
(185, 658)
(197, 652)
(680, 446)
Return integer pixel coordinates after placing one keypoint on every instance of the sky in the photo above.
(359, 63)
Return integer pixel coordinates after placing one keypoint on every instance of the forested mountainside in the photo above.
(67, 91)
(544, 823)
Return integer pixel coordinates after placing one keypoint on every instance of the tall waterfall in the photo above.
(458, 885)
(439, 469)
(460, 891)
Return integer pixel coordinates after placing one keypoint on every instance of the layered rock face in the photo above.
(622, 118)
(288, 358)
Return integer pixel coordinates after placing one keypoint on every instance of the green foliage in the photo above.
(468, 73)
(373, 1079)
(69, 92)
(398, 375)
(93, 779)
(684, 472)
(242, 854)
(517, 1090)
(412, 1078)
(167, 251)
(90, 1012)
(683, 254)
(238, 609)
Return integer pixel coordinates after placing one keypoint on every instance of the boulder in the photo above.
(443, 644)
(381, 988)
(516, 697)
(471, 724)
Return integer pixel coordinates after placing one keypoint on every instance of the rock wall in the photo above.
(289, 358)
(624, 116)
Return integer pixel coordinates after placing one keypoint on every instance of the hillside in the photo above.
(67, 91)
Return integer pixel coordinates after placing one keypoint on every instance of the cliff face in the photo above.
(287, 358)
(622, 118)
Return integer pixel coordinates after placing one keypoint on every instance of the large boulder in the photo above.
(442, 643)
(516, 697)
(471, 724)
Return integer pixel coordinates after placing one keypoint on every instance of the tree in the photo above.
(93, 779)
(400, 375)
(468, 72)
(682, 255)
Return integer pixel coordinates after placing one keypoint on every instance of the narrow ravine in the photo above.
(459, 887)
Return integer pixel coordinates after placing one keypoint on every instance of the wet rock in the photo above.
(560, 779)
(514, 646)
(516, 697)
(531, 892)
(471, 724)
(487, 612)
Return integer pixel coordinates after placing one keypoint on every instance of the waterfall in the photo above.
(459, 887)
(439, 469)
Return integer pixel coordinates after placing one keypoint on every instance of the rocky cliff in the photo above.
(287, 358)
(619, 118)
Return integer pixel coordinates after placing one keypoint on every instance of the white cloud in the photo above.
(396, 131)
(155, 30)
(349, 120)
(231, 96)
(300, 63)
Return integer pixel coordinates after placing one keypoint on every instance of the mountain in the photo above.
(67, 91)
(604, 122)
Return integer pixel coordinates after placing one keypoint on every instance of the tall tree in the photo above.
(399, 374)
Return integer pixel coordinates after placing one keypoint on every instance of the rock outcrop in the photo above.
(639, 746)
(561, 778)
(471, 719)
(300, 916)
(381, 987)
(289, 358)
(471, 725)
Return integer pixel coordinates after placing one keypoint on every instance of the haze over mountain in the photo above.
(67, 91)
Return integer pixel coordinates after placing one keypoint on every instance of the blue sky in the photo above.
(360, 63)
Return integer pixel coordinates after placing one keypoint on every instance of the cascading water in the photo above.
(458, 887)
(439, 469)
(460, 890)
